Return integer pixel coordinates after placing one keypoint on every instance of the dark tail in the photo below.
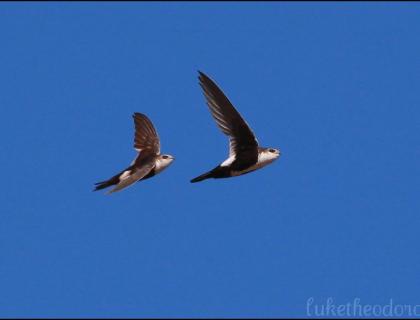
(204, 176)
(103, 184)
(107, 183)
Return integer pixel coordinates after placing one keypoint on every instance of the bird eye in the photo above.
(165, 157)
(272, 150)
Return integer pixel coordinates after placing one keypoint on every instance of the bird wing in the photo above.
(128, 177)
(227, 117)
(145, 136)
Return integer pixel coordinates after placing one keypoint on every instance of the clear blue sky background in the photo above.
(335, 86)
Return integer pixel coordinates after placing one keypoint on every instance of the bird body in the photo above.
(149, 161)
(233, 167)
(245, 154)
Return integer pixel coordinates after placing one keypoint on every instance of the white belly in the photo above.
(263, 160)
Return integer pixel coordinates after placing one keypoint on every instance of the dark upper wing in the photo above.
(145, 136)
(227, 118)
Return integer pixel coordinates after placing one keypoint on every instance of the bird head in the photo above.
(166, 159)
(271, 153)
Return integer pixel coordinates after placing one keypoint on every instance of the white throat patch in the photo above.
(162, 164)
(267, 157)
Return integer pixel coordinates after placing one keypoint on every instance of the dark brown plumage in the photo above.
(148, 162)
(244, 153)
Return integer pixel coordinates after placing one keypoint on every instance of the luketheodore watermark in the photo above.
(355, 308)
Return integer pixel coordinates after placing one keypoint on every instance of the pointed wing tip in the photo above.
(138, 114)
(202, 76)
(204, 81)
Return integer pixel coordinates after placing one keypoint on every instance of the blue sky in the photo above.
(334, 86)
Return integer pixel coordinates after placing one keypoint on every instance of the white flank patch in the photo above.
(228, 161)
(125, 175)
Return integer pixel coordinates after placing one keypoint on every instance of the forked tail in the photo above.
(104, 184)
(107, 183)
